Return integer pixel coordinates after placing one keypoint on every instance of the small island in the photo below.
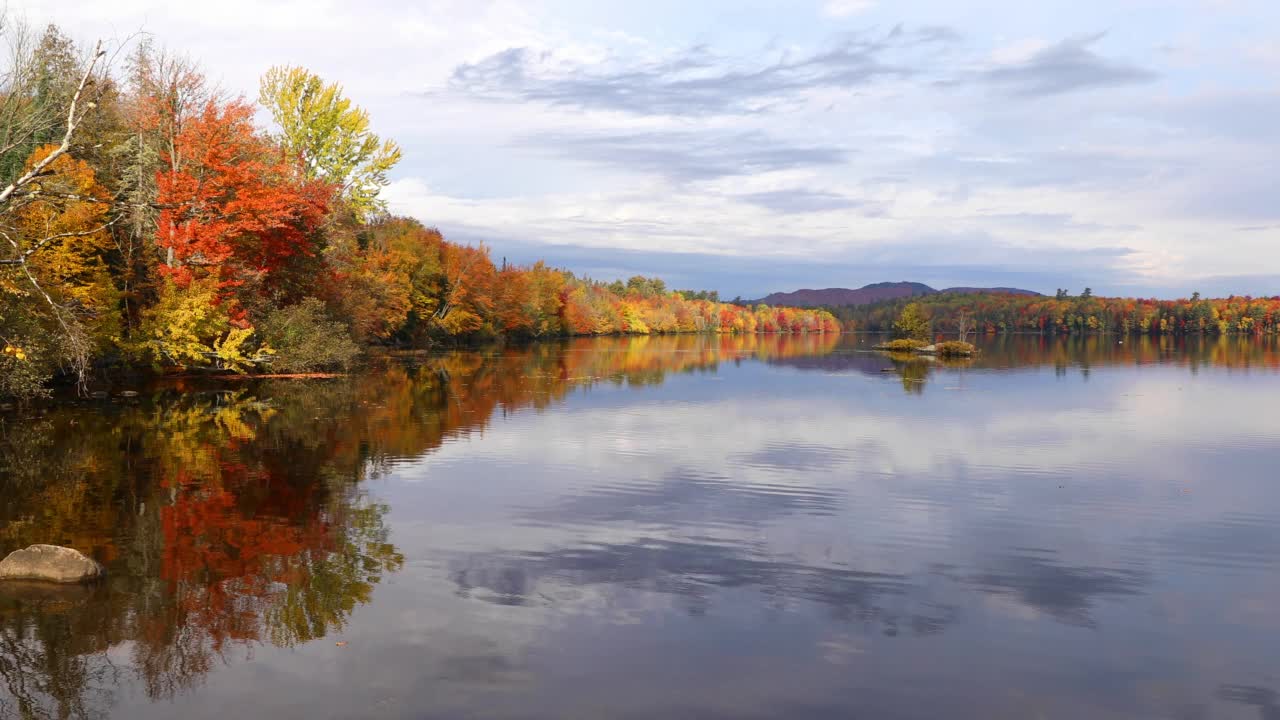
(914, 326)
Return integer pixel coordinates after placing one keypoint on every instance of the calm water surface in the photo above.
(686, 527)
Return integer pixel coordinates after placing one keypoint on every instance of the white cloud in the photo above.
(1017, 51)
(845, 8)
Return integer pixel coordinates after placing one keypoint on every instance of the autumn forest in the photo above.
(150, 220)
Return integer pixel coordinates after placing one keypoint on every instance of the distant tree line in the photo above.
(1071, 314)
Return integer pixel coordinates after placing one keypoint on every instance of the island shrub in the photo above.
(902, 345)
(954, 348)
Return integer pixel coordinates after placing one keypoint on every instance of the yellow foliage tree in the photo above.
(188, 326)
(64, 228)
(183, 325)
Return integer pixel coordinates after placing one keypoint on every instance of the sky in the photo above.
(1131, 146)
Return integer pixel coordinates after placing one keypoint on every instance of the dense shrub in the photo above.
(24, 368)
(33, 346)
(303, 338)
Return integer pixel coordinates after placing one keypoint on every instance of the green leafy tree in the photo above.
(912, 323)
(329, 135)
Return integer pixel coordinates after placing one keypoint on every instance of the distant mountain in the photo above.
(876, 292)
(848, 296)
(1005, 290)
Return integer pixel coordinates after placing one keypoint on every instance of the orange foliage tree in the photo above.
(235, 207)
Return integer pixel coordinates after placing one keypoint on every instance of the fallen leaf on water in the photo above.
(341, 644)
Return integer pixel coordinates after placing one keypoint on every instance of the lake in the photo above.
(663, 527)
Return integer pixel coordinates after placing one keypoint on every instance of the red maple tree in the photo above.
(233, 206)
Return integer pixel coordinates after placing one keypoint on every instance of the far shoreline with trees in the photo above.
(995, 312)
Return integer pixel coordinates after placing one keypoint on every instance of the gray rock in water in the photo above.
(51, 563)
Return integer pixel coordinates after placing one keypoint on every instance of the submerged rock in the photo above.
(46, 596)
(51, 563)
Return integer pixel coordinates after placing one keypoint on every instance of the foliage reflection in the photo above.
(233, 518)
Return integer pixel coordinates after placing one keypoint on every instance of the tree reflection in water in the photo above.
(234, 518)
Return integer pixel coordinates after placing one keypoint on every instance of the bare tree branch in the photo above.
(22, 259)
(73, 121)
(964, 325)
